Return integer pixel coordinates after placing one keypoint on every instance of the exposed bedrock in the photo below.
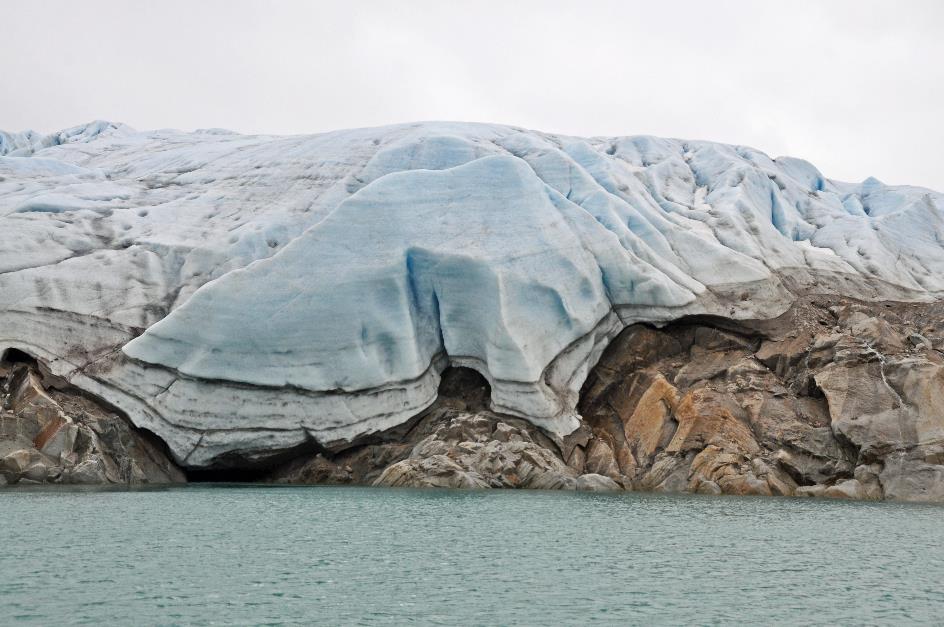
(52, 433)
(835, 398)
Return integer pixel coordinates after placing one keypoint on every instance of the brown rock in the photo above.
(578, 459)
(714, 463)
(780, 483)
(848, 489)
(650, 423)
(715, 340)
(60, 441)
(744, 485)
(627, 463)
(704, 366)
(705, 417)
(479, 451)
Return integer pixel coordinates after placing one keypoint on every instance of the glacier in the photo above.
(240, 295)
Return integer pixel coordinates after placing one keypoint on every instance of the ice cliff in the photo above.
(242, 295)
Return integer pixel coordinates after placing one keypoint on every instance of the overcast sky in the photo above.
(856, 87)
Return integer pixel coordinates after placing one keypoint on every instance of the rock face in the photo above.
(829, 400)
(457, 443)
(244, 296)
(55, 436)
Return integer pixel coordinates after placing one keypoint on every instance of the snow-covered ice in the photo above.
(239, 295)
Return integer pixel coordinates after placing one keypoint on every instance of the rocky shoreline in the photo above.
(58, 435)
(835, 398)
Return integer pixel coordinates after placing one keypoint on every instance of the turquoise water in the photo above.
(248, 555)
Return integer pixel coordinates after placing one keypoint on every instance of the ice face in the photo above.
(239, 294)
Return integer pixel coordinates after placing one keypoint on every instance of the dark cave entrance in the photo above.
(13, 356)
(465, 386)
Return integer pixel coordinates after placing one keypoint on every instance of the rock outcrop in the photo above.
(457, 443)
(50, 435)
(835, 398)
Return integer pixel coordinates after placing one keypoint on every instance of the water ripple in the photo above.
(208, 555)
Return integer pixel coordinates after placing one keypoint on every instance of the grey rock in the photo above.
(91, 471)
(708, 487)
(810, 490)
(592, 482)
(907, 479)
(919, 341)
(36, 472)
(475, 450)
(62, 442)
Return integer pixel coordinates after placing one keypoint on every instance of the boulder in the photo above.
(669, 473)
(920, 385)
(37, 472)
(596, 483)
(862, 406)
(18, 461)
(91, 472)
(807, 468)
(848, 489)
(707, 487)
(601, 460)
(908, 478)
(60, 442)
(810, 490)
(883, 407)
(437, 471)
(744, 485)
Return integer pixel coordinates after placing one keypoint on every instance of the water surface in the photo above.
(206, 554)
